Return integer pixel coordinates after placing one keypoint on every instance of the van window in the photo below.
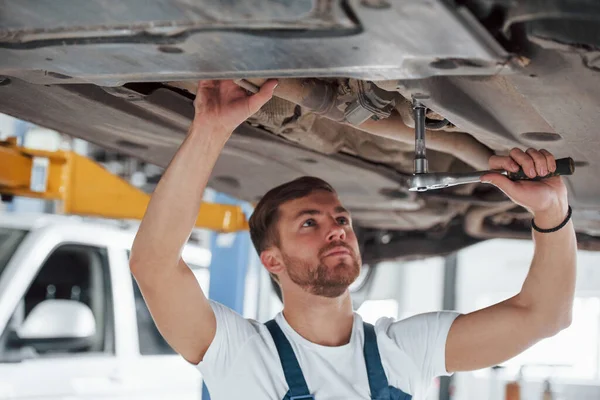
(9, 241)
(150, 339)
(78, 273)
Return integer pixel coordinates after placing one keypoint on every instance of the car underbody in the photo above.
(494, 74)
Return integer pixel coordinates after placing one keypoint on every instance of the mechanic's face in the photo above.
(319, 250)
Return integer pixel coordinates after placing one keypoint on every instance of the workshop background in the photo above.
(569, 363)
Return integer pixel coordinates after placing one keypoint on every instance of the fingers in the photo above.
(256, 101)
(525, 161)
(208, 84)
(505, 163)
(230, 89)
(533, 162)
(224, 87)
(550, 160)
(541, 165)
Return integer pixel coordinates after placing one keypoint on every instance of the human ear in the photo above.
(271, 259)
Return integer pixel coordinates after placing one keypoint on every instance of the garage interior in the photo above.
(567, 365)
(93, 109)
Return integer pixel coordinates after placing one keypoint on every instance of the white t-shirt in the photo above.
(242, 361)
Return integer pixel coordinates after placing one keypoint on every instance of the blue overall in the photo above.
(298, 389)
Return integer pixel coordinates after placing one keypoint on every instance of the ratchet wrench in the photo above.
(422, 180)
(431, 181)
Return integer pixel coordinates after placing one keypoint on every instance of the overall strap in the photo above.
(289, 362)
(377, 379)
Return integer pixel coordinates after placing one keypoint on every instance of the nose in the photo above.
(336, 232)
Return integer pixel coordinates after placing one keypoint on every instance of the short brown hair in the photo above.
(263, 222)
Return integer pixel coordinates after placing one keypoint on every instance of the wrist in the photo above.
(551, 217)
(204, 127)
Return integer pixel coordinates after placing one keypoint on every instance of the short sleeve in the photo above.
(233, 331)
(423, 338)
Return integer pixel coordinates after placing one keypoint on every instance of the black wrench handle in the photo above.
(564, 166)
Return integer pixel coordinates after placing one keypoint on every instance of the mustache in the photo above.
(333, 245)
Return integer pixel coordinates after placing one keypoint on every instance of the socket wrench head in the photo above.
(434, 181)
(421, 166)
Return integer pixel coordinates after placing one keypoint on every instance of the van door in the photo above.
(73, 286)
(158, 371)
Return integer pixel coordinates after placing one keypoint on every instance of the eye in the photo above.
(309, 223)
(343, 221)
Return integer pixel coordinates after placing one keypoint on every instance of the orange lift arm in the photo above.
(86, 188)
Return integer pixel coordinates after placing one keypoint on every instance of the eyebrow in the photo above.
(341, 210)
(337, 210)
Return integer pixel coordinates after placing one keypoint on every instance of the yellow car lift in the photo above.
(86, 188)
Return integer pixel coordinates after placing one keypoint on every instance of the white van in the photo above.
(73, 323)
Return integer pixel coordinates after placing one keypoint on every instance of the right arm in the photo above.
(178, 306)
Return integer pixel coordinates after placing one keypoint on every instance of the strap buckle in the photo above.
(303, 397)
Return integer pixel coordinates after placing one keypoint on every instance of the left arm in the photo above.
(543, 307)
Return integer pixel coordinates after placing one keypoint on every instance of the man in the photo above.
(318, 346)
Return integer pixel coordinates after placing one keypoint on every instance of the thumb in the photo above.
(500, 181)
(257, 100)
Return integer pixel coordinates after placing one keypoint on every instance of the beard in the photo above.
(322, 280)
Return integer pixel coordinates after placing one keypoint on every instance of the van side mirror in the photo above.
(52, 325)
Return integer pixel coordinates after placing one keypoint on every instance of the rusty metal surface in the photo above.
(110, 43)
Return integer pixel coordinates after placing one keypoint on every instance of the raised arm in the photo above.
(178, 306)
(543, 306)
